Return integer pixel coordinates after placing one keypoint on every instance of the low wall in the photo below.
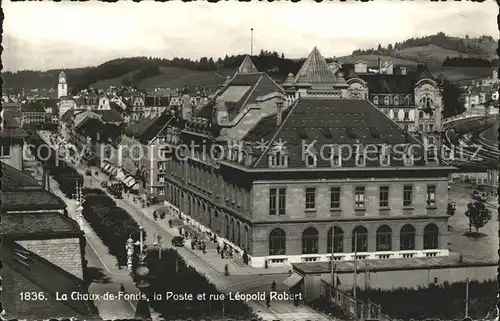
(387, 280)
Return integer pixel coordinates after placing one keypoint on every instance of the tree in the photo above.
(477, 212)
(389, 47)
(379, 48)
(453, 101)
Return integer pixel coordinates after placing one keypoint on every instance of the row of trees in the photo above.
(469, 62)
(111, 223)
(444, 302)
(440, 39)
(171, 273)
(477, 212)
(66, 176)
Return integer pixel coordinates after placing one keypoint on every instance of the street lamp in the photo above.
(129, 247)
(78, 205)
(157, 244)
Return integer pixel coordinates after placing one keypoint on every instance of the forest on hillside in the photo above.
(469, 62)
(440, 39)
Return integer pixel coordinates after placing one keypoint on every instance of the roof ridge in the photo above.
(247, 66)
(315, 70)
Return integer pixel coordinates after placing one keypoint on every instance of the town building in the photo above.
(62, 86)
(140, 155)
(33, 113)
(11, 139)
(253, 184)
(411, 98)
(42, 251)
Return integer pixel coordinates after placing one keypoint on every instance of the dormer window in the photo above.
(407, 101)
(335, 159)
(384, 158)
(278, 159)
(431, 154)
(396, 100)
(360, 157)
(387, 100)
(407, 116)
(311, 161)
(375, 100)
(408, 158)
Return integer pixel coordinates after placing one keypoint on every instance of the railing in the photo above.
(355, 308)
(467, 114)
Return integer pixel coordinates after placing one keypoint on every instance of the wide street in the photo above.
(245, 283)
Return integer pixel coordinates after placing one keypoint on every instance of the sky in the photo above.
(48, 35)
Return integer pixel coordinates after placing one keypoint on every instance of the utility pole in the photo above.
(355, 281)
(467, 297)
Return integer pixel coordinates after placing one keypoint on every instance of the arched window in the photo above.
(384, 238)
(375, 100)
(338, 235)
(310, 241)
(227, 226)
(406, 116)
(407, 238)
(431, 237)
(238, 233)
(277, 242)
(360, 239)
(387, 100)
(420, 114)
(232, 230)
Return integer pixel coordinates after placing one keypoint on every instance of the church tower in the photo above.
(62, 87)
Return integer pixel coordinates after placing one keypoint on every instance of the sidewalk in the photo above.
(236, 265)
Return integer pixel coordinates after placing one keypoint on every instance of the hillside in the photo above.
(148, 73)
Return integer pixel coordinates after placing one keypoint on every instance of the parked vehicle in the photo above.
(178, 241)
(88, 173)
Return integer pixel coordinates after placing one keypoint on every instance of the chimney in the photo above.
(279, 111)
(403, 70)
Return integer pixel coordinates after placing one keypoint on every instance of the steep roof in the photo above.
(25, 271)
(315, 70)
(110, 116)
(11, 128)
(241, 90)
(33, 106)
(13, 179)
(329, 121)
(247, 66)
(23, 224)
(147, 128)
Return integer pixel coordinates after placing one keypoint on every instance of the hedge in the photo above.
(444, 302)
(171, 273)
(112, 224)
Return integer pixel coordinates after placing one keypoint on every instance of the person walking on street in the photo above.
(268, 300)
(273, 286)
(218, 249)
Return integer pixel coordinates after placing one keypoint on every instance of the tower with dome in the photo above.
(62, 86)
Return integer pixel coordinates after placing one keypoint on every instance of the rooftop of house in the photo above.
(33, 106)
(148, 128)
(22, 192)
(44, 223)
(243, 89)
(329, 121)
(11, 128)
(25, 271)
(110, 116)
(389, 83)
(156, 101)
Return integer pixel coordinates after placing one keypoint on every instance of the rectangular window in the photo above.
(277, 201)
(359, 201)
(273, 192)
(310, 198)
(408, 195)
(431, 195)
(384, 196)
(282, 201)
(335, 197)
(5, 152)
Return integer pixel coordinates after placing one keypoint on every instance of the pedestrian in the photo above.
(245, 257)
(155, 216)
(218, 249)
(268, 300)
(170, 222)
(122, 288)
(203, 247)
(273, 286)
(222, 254)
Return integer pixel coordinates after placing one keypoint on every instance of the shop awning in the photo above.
(135, 187)
(112, 170)
(292, 280)
(106, 168)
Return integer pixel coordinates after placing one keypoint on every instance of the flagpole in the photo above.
(251, 41)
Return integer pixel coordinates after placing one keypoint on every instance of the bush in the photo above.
(172, 274)
(444, 302)
(112, 224)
